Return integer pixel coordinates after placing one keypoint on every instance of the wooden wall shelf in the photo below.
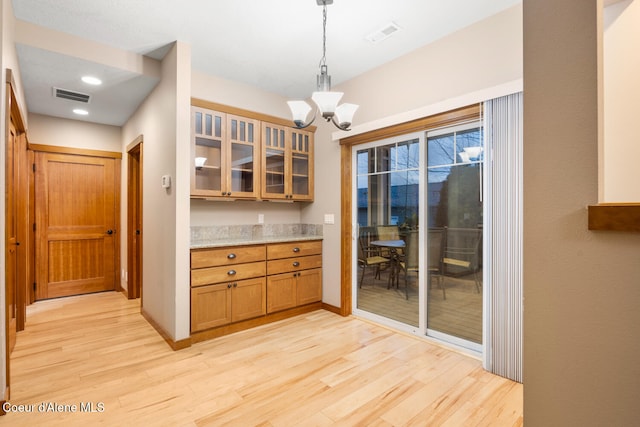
(615, 217)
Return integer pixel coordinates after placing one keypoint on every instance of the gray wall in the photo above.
(581, 293)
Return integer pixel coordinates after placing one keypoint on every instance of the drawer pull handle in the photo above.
(231, 256)
(231, 272)
(296, 264)
(296, 250)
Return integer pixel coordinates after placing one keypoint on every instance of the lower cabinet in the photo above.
(294, 274)
(234, 284)
(288, 290)
(221, 304)
(248, 299)
(210, 306)
(309, 286)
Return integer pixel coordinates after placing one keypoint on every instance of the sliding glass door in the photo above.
(455, 166)
(417, 210)
(387, 214)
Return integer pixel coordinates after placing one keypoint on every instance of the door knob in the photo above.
(109, 231)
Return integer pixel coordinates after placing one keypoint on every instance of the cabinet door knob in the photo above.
(229, 285)
(235, 285)
(296, 264)
(296, 250)
(228, 193)
(231, 256)
(231, 272)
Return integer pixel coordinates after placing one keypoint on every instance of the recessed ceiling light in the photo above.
(81, 112)
(91, 80)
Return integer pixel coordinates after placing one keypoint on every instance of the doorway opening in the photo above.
(134, 219)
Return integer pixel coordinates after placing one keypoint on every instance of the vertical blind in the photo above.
(503, 240)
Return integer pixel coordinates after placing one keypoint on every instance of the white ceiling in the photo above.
(274, 45)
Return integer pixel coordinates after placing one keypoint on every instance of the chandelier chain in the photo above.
(323, 60)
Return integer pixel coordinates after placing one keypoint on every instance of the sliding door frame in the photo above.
(348, 227)
(460, 115)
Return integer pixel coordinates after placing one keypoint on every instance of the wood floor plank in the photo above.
(317, 369)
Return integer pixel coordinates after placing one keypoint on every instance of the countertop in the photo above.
(215, 243)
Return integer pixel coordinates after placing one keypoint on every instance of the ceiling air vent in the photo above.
(71, 95)
(383, 32)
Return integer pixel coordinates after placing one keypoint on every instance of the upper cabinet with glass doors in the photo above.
(287, 163)
(225, 152)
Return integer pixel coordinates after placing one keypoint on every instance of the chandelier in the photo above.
(326, 101)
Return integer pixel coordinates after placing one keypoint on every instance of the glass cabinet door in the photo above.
(274, 162)
(208, 129)
(301, 165)
(243, 158)
(244, 141)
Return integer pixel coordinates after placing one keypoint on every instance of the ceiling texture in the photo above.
(273, 45)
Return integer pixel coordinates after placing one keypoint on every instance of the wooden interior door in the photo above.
(11, 236)
(75, 224)
(22, 175)
(31, 229)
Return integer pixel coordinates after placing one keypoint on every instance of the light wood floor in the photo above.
(460, 314)
(314, 369)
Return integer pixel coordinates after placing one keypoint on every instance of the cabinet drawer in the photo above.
(227, 256)
(293, 264)
(294, 249)
(227, 273)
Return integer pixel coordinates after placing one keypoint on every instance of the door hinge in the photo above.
(34, 286)
(34, 226)
(34, 167)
